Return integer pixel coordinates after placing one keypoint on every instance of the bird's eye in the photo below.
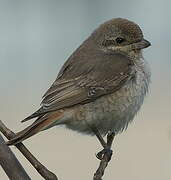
(119, 40)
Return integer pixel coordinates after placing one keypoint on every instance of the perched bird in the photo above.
(101, 86)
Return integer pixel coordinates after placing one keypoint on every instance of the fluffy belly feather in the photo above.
(114, 111)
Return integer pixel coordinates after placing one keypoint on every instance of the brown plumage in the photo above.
(97, 68)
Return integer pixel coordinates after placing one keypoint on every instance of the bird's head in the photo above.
(120, 35)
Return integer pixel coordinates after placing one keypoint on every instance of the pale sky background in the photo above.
(36, 38)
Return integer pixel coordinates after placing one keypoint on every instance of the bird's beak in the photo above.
(142, 44)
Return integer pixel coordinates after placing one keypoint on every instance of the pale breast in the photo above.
(114, 111)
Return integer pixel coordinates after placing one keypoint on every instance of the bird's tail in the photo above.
(43, 122)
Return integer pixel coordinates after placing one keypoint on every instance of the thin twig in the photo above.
(42, 170)
(105, 159)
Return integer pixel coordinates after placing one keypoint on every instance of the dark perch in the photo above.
(10, 164)
(42, 170)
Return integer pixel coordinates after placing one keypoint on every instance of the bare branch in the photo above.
(42, 170)
(105, 158)
(10, 164)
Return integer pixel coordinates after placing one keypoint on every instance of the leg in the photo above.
(99, 137)
(107, 150)
(105, 158)
(107, 146)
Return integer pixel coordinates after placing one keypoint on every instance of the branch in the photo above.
(42, 170)
(106, 157)
(10, 164)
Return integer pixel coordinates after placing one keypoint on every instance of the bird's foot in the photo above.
(105, 152)
(107, 147)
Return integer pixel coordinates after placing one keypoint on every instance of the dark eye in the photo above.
(120, 40)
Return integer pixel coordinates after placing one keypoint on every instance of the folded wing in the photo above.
(82, 80)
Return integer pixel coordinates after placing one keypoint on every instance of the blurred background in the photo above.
(36, 38)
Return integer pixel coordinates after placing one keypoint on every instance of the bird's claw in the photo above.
(108, 152)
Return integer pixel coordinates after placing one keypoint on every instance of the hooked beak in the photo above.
(142, 44)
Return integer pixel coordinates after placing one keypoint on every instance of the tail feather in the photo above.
(22, 135)
(42, 123)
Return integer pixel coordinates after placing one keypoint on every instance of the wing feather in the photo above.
(105, 77)
(84, 78)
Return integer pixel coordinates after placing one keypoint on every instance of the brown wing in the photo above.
(84, 78)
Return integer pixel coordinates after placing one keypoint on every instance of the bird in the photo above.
(101, 86)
